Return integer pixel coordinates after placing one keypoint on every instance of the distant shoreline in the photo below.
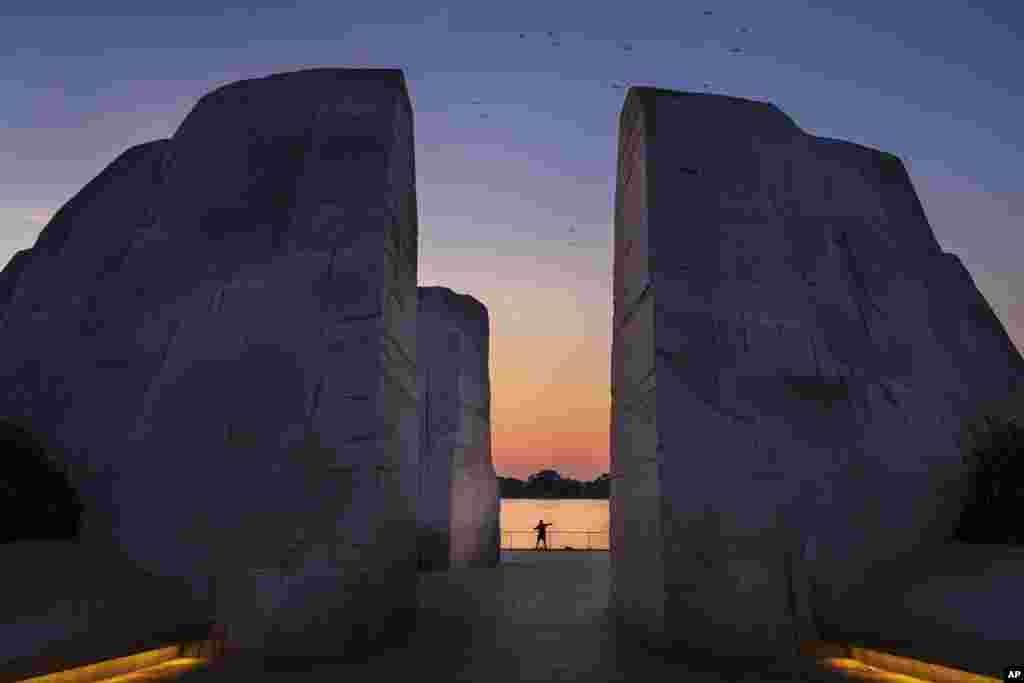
(550, 485)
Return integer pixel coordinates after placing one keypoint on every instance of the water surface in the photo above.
(580, 524)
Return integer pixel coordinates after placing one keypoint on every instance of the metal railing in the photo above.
(526, 539)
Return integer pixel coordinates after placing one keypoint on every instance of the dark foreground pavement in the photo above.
(539, 616)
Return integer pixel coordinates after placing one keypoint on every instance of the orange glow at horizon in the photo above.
(550, 355)
(553, 414)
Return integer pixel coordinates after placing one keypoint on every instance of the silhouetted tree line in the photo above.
(995, 499)
(549, 484)
(36, 499)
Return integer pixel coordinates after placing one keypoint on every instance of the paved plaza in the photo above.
(539, 616)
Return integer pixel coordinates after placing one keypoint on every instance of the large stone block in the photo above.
(793, 355)
(458, 502)
(221, 339)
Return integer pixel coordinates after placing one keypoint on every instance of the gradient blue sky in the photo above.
(934, 83)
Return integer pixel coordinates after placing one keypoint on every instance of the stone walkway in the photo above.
(537, 617)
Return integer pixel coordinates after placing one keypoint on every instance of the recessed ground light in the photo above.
(870, 665)
(165, 663)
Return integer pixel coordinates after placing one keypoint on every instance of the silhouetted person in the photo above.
(542, 534)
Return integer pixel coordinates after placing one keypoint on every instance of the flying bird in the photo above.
(743, 29)
(522, 35)
(707, 13)
(735, 50)
(628, 47)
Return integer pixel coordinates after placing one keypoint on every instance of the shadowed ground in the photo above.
(540, 616)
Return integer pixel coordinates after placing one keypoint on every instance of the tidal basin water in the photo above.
(581, 524)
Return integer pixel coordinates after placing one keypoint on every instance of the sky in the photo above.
(516, 139)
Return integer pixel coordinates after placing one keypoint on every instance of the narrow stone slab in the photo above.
(458, 500)
(793, 357)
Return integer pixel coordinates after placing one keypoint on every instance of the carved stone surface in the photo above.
(219, 335)
(793, 354)
(71, 367)
(458, 503)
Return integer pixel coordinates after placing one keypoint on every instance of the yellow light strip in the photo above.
(164, 671)
(851, 668)
(152, 665)
(871, 665)
(930, 672)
